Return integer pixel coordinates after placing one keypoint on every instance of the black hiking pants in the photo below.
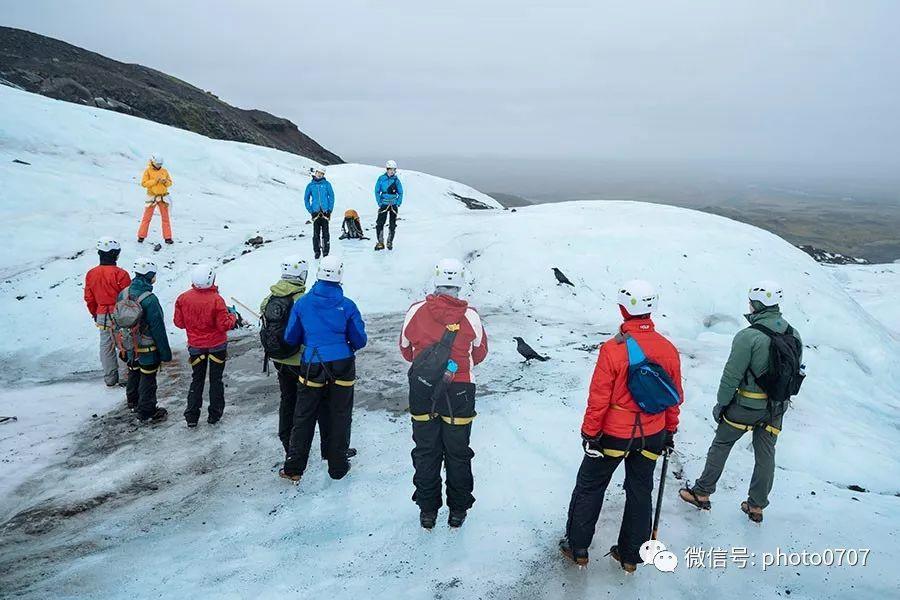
(383, 214)
(321, 234)
(590, 489)
(329, 384)
(442, 440)
(140, 389)
(201, 362)
(288, 382)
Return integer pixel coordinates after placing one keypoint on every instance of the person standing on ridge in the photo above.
(754, 393)
(389, 197)
(202, 312)
(443, 338)
(319, 201)
(157, 182)
(151, 344)
(330, 329)
(102, 286)
(621, 426)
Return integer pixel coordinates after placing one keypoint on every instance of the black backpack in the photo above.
(784, 375)
(427, 372)
(274, 322)
(392, 189)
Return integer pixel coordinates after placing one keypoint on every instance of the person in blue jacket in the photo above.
(331, 330)
(319, 202)
(389, 196)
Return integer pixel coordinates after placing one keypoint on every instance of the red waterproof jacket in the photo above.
(426, 322)
(202, 312)
(102, 285)
(611, 410)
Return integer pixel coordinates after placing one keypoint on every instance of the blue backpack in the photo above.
(649, 384)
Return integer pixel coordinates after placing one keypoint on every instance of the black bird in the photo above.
(527, 351)
(561, 278)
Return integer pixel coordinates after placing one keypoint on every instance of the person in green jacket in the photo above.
(152, 346)
(742, 406)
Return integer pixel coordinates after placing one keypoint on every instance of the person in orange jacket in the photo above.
(157, 181)
(102, 285)
(617, 429)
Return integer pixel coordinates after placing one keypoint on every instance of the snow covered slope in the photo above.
(876, 288)
(201, 512)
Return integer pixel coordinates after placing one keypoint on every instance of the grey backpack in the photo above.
(127, 317)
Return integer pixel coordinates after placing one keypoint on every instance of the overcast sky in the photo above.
(793, 82)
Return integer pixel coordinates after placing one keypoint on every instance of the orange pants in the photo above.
(163, 213)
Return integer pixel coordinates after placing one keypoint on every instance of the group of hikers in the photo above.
(312, 337)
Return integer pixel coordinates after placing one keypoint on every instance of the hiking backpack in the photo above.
(127, 317)
(392, 189)
(274, 322)
(650, 386)
(428, 368)
(784, 374)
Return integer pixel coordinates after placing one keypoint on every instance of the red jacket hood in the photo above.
(213, 288)
(446, 310)
(637, 324)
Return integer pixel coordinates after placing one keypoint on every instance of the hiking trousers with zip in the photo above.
(764, 440)
(383, 214)
(213, 361)
(321, 234)
(443, 439)
(140, 389)
(590, 488)
(288, 384)
(149, 209)
(331, 384)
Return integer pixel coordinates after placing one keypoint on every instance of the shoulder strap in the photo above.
(143, 297)
(635, 353)
(766, 330)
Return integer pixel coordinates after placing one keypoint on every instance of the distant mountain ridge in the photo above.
(50, 67)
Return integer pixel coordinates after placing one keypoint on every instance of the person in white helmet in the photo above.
(102, 286)
(275, 311)
(150, 346)
(748, 400)
(330, 329)
(202, 312)
(443, 337)
(621, 425)
(157, 181)
(319, 202)
(389, 197)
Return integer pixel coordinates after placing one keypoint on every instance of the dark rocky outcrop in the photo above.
(53, 68)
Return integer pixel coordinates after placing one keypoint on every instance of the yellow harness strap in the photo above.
(613, 453)
(312, 384)
(216, 360)
(425, 417)
(752, 395)
(198, 360)
(770, 428)
(147, 349)
(453, 327)
(149, 371)
(344, 382)
(447, 420)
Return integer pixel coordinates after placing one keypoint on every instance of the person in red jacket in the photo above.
(201, 311)
(616, 430)
(102, 285)
(442, 426)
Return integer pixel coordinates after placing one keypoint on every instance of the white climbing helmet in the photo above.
(331, 268)
(107, 244)
(449, 272)
(157, 160)
(143, 265)
(391, 164)
(320, 169)
(203, 276)
(293, 268)
(638, 297)
(767, 293)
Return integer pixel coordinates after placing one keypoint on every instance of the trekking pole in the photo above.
(244, 306)
(659, 496)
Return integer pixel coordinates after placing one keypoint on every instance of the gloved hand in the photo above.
(232, 310)
(591, 445)
(717, 411)
(669, 442)
(240, 321)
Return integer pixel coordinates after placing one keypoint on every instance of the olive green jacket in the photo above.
(285, 288)
(750, 352)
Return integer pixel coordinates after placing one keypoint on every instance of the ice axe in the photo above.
(244, 306)
(659, 496)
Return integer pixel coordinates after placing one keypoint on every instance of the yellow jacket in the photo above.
(157, 181)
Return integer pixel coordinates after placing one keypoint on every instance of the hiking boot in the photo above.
(132, 406)
(456, 518)
(169, 241)
(754, 513)
(191, 424)
(390, 245)
(351, 452)
(692, 497)
(159, 416)
(428, 519)
(140, 240)
(379, 246)
(626, 566)
(318, 255)
(213, 420)
(292, 477)
(579, 556)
